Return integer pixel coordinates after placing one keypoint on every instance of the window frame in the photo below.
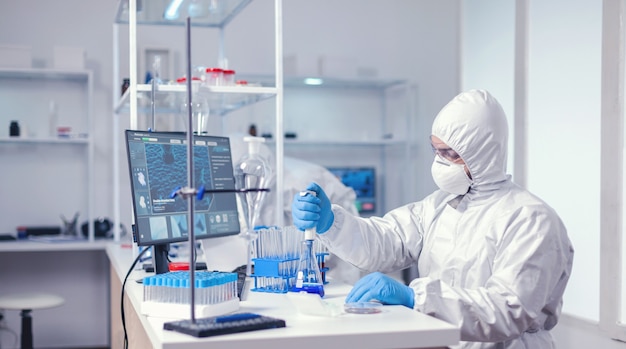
(612, 169)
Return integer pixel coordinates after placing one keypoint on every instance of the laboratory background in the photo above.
(557, 67)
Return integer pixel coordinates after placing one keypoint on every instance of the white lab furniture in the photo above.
(395, 327)
(43, 170)
(26, 303)
(78, 272)
(353, 122)
(153, 13)
(89, 275)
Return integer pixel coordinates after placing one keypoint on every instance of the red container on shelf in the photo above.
(228, 77)
(214, 76)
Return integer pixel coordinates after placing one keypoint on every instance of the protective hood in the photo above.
(474, 125)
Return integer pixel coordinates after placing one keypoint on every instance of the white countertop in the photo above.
(394, 327)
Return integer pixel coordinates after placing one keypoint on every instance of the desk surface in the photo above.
(394, 327)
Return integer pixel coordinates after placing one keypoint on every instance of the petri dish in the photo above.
(363, 307)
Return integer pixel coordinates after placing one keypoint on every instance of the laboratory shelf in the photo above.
(169, 98)
(141, 100)
(35, 73)
(360, 122)
(74, 89)
(203, 13)
(23, 140)
(326, 82)
(347, 142)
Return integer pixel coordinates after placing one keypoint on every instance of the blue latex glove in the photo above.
(312, 211)
(383, 288)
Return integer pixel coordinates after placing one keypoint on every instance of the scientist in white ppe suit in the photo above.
(493, 259)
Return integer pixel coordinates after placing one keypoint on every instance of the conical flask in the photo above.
(308, 275)
(252, 171)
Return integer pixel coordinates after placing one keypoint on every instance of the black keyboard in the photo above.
(224, 324)
(7, 237)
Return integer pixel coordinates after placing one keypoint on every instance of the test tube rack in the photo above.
(167, 295)
(277, 275)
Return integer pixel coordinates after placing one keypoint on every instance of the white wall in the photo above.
(564, 111)
(563, 108)
(413, 40)
(563, 115)
(487, 54)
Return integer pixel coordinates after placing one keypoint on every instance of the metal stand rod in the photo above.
(190, 199)
(27, 330)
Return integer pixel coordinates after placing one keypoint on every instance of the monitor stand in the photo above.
(161, 262)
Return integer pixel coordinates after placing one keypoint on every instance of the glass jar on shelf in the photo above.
(199, 106)
(14, 129)
(125, 85)
(214, 76)
(228, 77)
(199, 71)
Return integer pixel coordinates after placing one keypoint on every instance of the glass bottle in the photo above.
(125, 85)
(14, 129)
(53, 119)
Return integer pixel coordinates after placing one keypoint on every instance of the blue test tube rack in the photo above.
(276, 275)
(277, 252)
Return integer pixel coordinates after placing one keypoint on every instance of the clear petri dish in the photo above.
(363, 307)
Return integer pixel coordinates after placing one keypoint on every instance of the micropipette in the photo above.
(308, 276)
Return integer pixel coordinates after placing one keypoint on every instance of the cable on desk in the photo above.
(132, 267)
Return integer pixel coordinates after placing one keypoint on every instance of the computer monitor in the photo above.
(363, 181)
(158, 165)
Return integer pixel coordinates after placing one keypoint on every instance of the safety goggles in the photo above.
(446, 153)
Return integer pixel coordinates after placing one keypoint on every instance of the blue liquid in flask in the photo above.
(308, 275)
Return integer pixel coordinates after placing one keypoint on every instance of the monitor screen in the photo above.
(363, 181)
(158, 164)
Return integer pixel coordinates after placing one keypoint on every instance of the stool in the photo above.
(26, 302)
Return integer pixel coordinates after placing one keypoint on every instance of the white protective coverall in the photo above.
(494, 262)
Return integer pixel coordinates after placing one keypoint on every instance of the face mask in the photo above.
(450, 177)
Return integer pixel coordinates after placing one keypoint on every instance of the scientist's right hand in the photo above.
(310, 211)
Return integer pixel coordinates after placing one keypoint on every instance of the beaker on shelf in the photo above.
(199, 107)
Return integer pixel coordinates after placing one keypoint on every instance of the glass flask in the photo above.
(252, 171)
(308, 275)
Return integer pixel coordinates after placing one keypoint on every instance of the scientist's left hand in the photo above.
(383, 288)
